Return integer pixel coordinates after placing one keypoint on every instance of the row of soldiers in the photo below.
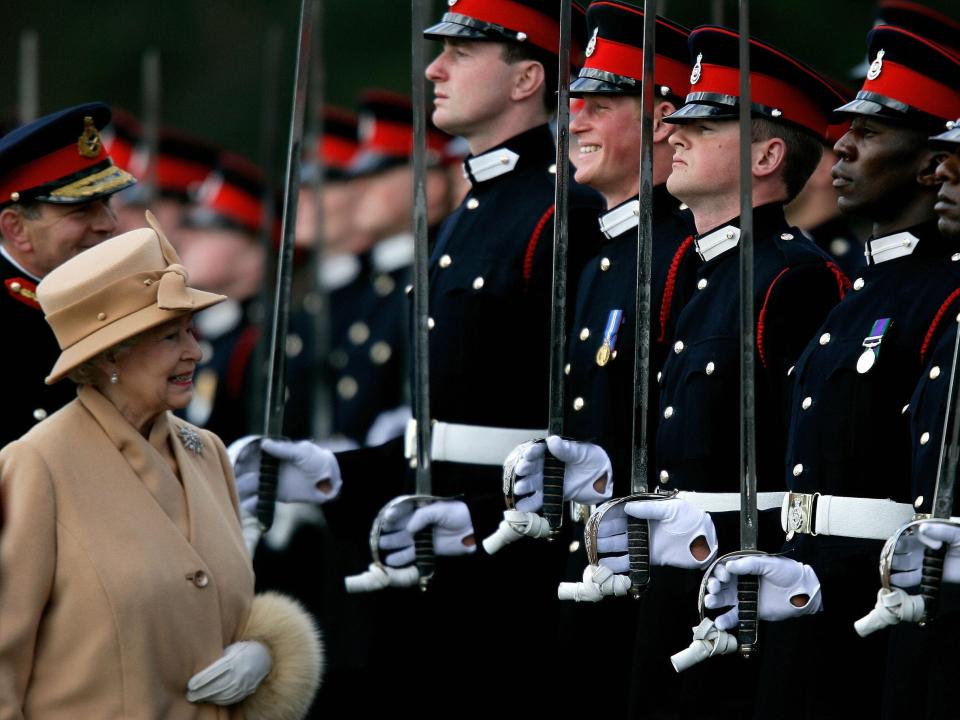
(852, 367)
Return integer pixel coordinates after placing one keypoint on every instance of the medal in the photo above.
(606, 350)
(872, 342)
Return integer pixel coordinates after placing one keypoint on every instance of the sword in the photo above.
(273, 416)
(28, 78)
(150, 100)
(638, 531)
(553, 469)
(423, 540)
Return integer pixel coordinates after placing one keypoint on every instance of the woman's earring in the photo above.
(114, 377)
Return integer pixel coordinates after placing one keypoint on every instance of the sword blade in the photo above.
(28, 78)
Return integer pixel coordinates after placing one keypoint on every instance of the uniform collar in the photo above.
(339, 270)
(890, 247)
(726, 237)
(528, 149)
(620, 219)
(393, 253)
(219, 319)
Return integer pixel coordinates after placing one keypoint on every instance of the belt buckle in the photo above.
(800, 514)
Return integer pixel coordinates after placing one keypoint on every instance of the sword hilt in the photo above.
(931, 575)
(638, 550)
(748, 587)
(267, 489)
(424, 557)
(553, 470)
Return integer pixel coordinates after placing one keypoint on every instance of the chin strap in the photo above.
(894, 605)
(515, 525)
(708, 640)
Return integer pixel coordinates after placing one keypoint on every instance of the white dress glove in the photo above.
(452, 531)
(236, 675)
(907, 561)
(908, 556)
(780, 580)
(307, 473)
(388, 425)
(585, 463)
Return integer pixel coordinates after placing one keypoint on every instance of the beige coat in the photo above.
(117, 583)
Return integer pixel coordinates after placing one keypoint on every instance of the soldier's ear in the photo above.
(13, 230)
(528, 79)
(662, 130)
(927, 175)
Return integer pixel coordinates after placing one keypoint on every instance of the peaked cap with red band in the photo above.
(910, 80)
(386, 134)
(536, 22)
(183, 163)
(121, 138)
(60, 158)
(614, 55)
(340, 141)
(231, 197)
(782, 88)
(949, 139)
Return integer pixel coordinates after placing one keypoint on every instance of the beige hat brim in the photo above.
(124, 328)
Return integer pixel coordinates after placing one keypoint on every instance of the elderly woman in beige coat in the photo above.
(125, 587)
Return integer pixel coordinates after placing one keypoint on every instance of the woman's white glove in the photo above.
(676, 526)
(452, 531)
(307, 473)
(587, 477)
(236, 675)
(782, 582)
(907, 561)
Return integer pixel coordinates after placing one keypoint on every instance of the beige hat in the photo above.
(113, 291)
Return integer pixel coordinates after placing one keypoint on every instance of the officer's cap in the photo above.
(183, 163)
(918, 19)
(60, 158)
(536, 22)
(614, 54)
(782, 88)
(911, 80)
(336, 147)
(949, 139)
(231, 197)
(386, 134)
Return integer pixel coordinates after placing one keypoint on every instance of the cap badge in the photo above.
(451, 3)
(695, 75)
(592, 45)
(88, 144)
(875, 67)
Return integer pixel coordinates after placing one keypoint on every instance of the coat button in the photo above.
(659, 376)
(664, 477)
(678, 347)
(445, 261)
(858, 284)
(294, 345)
(955, 257)
(359, 332)
(380, 352)
(934, 372)
(807, 402)
(605, 264)
(477, 283)
(701, 283)
(578, 403)
(383, 285)
(790, 371)
(925, 438)
(347, 387)
(39, 414)
(430, 323)
(798, 470)
(566, 369)
(918, 502)
(787, 236)
(473, 204)
(668, 412)
(903, 410)
(825, 338)
(200, 579)
(711, 367)
(553, 167)
(731, 234)
(585, 333)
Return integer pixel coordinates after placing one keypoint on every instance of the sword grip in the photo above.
(930, 578)
(267, 489)
(748, 587)
(638, 549)
(424, 558)
(553, 471)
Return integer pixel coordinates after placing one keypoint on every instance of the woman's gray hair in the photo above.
(88, 372)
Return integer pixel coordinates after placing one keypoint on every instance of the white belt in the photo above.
(729, 502)
(865, 518)
(470, 444)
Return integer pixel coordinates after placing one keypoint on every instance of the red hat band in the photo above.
(764, 90)
(336, 152)
(231, 202)
(900, 83)
(541, 30)
(627, 60)
(53, 166)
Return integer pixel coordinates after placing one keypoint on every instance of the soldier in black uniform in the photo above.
(56, 180)
(795, 285)
(848, 449)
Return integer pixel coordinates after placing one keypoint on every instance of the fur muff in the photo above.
(289, 632)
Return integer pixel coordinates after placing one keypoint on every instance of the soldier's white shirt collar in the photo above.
(393, 253)
(219, 319)
(890, 247)
(717, 242)
(489, 165)
(18, 266)
(616, 222)
(338, 271)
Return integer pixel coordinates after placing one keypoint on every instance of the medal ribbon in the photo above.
(876, 334)
(613, 326)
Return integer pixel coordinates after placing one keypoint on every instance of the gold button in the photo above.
(925, 438)
(798, 470)
(201, 579)
(710, 368)
(934, 372)
(807, 402)
(473, 204)
(445, 261)
(955, 257)
(477, 283)
(294, 345)
(566, 369)
(585, 333)
(578, 403)
(730, 234)
(574, 546)
(16, 287)
(668, 412)
(678, 347)
(552, 169)
(359, 332)
(659, 376)
(430, 323)
(918, 502)
(383, 285)
(39, 414)
(408, 289)
(347, 387)
(664, 477)
(786, 236)
(15, 197)
(825, 338)
(605, 264)
(504, 160)
(701, 283)
(380, 352)
(101, 316)
(858, 284)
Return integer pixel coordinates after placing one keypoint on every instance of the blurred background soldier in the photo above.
(56, 179)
